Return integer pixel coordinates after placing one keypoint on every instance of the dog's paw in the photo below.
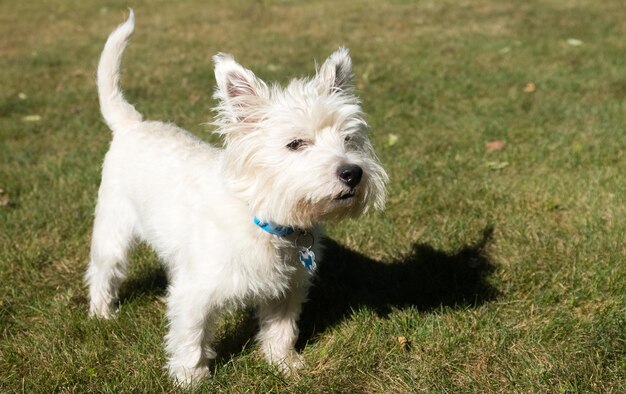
(101, 310)
(291, 364)
(187, 377)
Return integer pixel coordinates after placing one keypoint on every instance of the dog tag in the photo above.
(307, 258)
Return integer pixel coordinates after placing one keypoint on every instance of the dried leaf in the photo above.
(404, 343)
(530, 87)
(496, 165)
(194, 97)
(574, 42)
(31, 118)
(392, 139)
(496, 145)
(4, 198)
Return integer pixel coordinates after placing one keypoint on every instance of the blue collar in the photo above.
(281, 231)
(305, 254)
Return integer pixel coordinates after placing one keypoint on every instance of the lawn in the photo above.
(497, 266)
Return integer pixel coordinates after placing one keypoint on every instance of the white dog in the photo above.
(238, 225)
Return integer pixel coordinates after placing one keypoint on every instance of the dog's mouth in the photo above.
(346, 195)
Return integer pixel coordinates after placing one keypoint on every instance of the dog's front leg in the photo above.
(278, 327)
(188, 342)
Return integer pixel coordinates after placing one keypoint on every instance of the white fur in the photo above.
(194, 203)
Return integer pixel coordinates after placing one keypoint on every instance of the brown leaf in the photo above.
(496, 145)
(404, 343)
(194, 97)
(530, 87)
(4, 198)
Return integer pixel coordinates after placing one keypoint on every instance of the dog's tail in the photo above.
(117, 112)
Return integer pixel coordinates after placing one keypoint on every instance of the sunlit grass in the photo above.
(504, 270)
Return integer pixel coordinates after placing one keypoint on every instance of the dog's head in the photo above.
(299, 155)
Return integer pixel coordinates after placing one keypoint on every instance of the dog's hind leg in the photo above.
(111, 239)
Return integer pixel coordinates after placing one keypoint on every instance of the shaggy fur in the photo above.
(284, 161)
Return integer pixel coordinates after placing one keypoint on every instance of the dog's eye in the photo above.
(295, 144)
(347, 139)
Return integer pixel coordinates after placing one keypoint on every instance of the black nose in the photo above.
(350, 174)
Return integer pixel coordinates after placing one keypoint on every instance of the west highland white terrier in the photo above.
(234, 226)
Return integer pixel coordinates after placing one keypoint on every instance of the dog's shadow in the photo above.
(424, 279)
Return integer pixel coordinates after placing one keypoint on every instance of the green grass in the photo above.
(504, 270)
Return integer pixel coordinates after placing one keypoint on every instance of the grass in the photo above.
(504, 270)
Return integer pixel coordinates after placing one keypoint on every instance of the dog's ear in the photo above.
(336, 72)
(239, 91)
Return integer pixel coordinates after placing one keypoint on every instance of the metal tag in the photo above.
(307, 258)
